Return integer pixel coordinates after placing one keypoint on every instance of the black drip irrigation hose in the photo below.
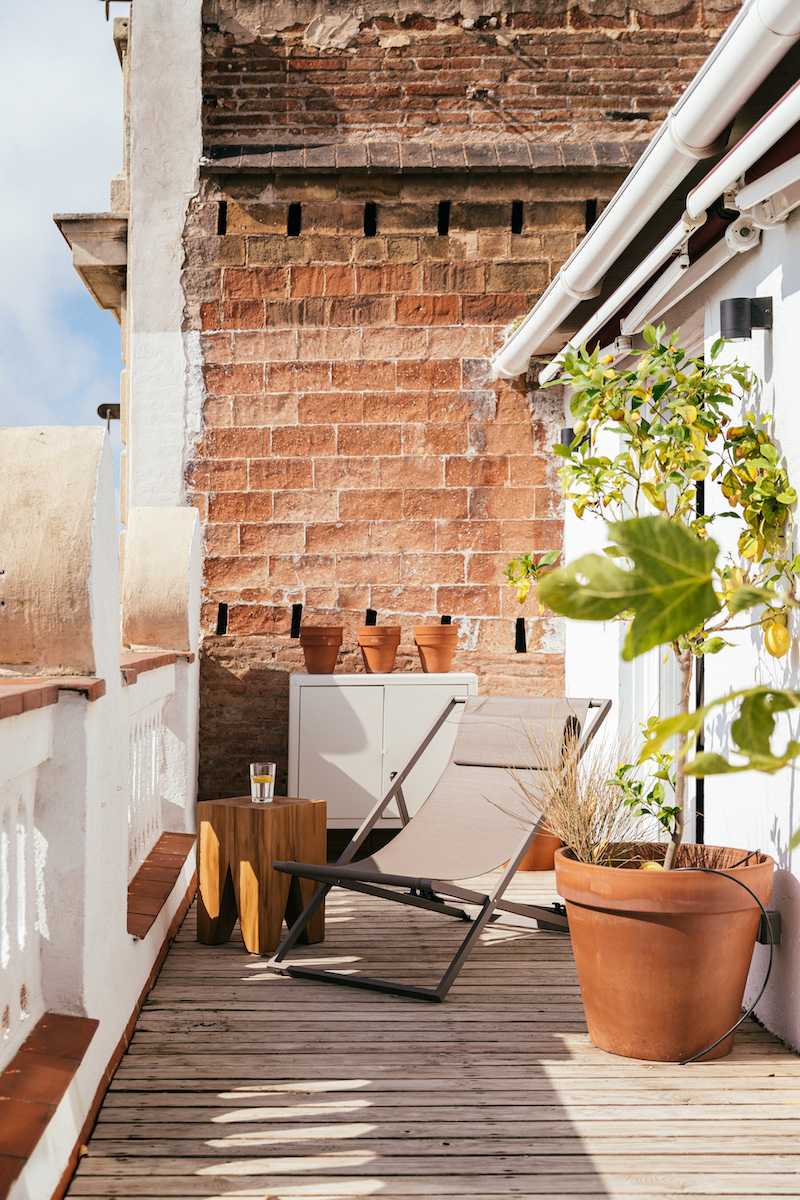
(767, 925)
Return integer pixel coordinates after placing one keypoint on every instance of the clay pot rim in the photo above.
(322, 631)
(384, 632)
(435, 631)
(631, 890)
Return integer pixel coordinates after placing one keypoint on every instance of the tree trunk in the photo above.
(685, 667)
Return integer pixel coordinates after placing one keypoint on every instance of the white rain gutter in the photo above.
(681, 279)
(769, 200)
(782, 117)
(662, 253)
(756, 40)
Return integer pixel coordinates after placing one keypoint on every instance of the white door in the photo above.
(341, 735)
(409, 712)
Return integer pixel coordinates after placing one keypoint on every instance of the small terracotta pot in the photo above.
(379, 647)
(662, 956)
(436, 645)
(541, 853)
(321, 647)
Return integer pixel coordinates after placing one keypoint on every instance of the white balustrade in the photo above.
(148, 762)
(24, 745)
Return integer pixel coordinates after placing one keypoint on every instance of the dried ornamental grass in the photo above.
(583, 804)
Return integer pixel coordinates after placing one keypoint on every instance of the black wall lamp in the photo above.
(741, 315)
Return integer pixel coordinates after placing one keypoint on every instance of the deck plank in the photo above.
(241, 1085)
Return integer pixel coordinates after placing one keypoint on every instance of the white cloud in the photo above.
(60, 145)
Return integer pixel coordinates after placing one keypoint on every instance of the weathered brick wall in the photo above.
(540, 69)
(355, 453)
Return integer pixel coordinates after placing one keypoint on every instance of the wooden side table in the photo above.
(238, 843)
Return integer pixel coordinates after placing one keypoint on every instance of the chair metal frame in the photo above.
(429, 894)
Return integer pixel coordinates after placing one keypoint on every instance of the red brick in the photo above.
(476, 472)
(394, 342)
(304, 441)
(402, 535)
(403, 599)
(268, 345)
(488, 503)
(269, 409)
(433, 568)
(267, 473)
(435, 502)
(221, 540)
(346, 473)
(242, 314)
(307, 281)
(435, 439)
(408, 472)
(255, 283)
(427, 310)
(335, 536)
(355, 597)
(239, 379)
(396, 406)
(235, 572)
(388, 280)
(337, 407)
(217, 410)
(442, 374)
(301, 569)
(364, 505)
(531, 536)
(329, 344)
(491, 438)
(530, 471)
(361, 376)
(236, 443)
(240, 506)
(368, 439)
(299, 377)
(307, 505)
(368, 568)
(362, 310)
(468, 535)
(218, 476)
(468, 601)
(340, 281)
(254, 619)
(488, 568)
(271, 539)
(494, 309)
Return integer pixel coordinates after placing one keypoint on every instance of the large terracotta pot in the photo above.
(541, 854)
(379, 647)
(321, 647)
(436, 645)
(662, 956)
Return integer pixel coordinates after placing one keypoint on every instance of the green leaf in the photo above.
(668, 589)
(708, 763)
(753, 728)
(748, 597)
(672, 591)
(715, 349)
(591, 588)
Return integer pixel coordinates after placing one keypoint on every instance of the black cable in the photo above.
(771, 944)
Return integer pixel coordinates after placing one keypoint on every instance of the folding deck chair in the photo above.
(474, 821)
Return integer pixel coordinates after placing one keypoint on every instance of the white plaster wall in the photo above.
(754, 810)
(166, 144)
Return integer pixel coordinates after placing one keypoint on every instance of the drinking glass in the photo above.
(262, 781)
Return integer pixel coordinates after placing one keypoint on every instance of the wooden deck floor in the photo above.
(240, 1084)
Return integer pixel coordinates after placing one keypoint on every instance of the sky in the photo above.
(60, 145)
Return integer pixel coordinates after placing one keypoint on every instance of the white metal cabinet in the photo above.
(349, 734)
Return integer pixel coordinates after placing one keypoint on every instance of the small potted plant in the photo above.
(647, 942)
(378, 645)
(321, 647)
(437, 645)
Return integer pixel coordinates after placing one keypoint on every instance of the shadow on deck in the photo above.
(241, 1084)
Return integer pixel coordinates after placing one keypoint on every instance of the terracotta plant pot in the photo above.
(436, 645)
(379, 647)
(541, 852)
(321, 647)
(662, 956)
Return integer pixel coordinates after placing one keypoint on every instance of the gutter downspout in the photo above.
(758, 39)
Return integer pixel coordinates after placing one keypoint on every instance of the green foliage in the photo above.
(751, 733)
(649, 797)
(523, 571)
(667, 589)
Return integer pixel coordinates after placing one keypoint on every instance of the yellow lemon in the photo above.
(651, 866)
(777, 639)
